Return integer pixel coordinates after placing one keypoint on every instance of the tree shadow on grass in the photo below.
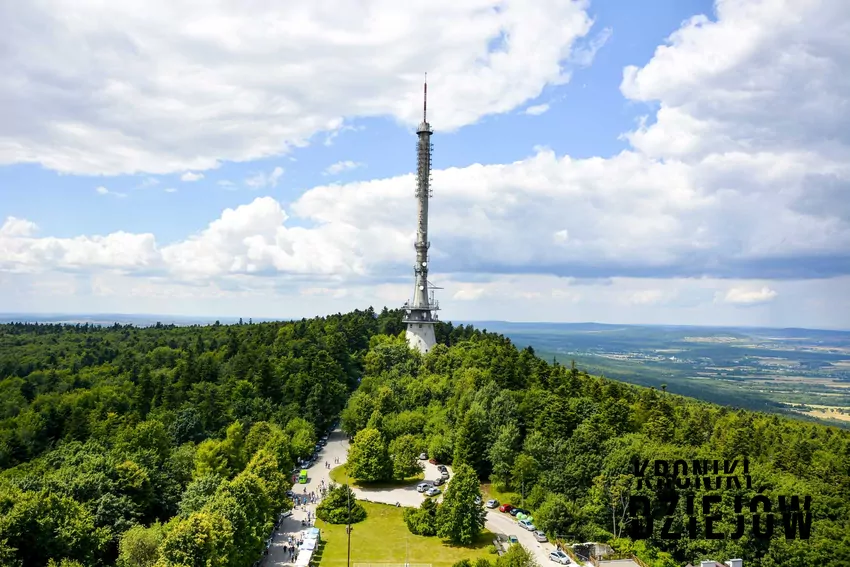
(339, 475)
(484, 539)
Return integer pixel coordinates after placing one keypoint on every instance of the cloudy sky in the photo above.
(667, 161)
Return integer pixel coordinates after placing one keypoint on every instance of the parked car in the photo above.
(526, 525)
(432, 461)
(512, 540)
(505, 508)
(478, 501)
(423, 486)
(540, 536)
(492, 504)
(433, 491)
(559, 556)
(515, 511)
(439, 481)
(444, 473)
(423, 456)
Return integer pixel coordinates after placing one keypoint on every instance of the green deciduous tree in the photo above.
(517, 556)
(139, 546)
(198, 493)
(368, 459)
(557, 515)
(503, 452)
(302, 436)
(405, 452)
(440, 447)
(203, 539)
(42, 526)
(211, 458)
(339, 506)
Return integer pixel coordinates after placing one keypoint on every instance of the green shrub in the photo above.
(422, 521)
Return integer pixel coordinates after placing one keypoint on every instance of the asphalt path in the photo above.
(336, 453)
(337, 447)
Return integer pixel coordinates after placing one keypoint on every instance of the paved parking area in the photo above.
(496, 521)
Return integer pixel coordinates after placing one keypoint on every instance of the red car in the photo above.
(505, 508)
(432, 461)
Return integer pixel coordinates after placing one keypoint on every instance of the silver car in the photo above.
(433, 491)
(559, 556)
(423, 486)
(540, 536)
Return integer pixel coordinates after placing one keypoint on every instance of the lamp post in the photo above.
(348, 528)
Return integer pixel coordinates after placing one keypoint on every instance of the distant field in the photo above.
(760, 369)
(825, 412)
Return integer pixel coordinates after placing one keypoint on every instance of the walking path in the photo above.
(336, 453)
(337, 447)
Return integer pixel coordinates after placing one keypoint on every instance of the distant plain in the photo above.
(802, 372)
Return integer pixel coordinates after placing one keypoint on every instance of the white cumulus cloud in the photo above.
(262, 179)
(101, 190)
(161, 86)
(190, 176)
(743, 296)
(537, 110)
(341, 166)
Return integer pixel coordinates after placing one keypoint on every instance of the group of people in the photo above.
(290, 548)
(308, 498)
(301, 501)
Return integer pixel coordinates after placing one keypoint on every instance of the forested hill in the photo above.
(105, 428)
(568, 440)
(172, 445)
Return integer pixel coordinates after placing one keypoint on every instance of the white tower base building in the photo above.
(421, 336)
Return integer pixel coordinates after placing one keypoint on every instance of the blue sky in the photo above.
(679, 192)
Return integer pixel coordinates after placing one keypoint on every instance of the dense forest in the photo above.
(173, 445)
(132, 445)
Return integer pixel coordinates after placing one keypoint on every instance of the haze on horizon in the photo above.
(682, 163)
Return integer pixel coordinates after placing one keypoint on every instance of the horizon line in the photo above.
(7, 317)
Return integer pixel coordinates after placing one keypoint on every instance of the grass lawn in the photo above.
(340, 476)
(383, 537)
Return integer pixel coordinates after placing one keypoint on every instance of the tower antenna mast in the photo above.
(420, 314)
